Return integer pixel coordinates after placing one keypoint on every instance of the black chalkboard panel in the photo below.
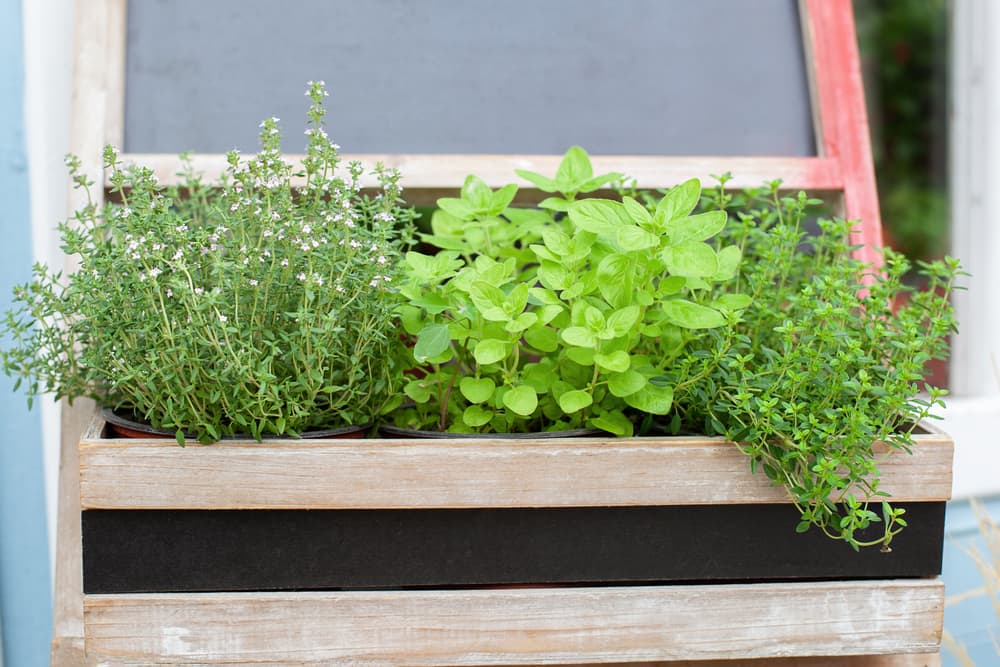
(133, 551)
(624, 77)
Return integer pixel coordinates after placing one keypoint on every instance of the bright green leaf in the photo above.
(639, 214)
(598, 182)
(543, 339)
(521, 399)
(556, 240)
(502, 198)
(489, 300)
(624, 384)
(691, 259)
(692, 315)
(652, 398)
(680, 201)
(517, 299)
(579, 336)
(622, 320)
(554, 276)
(581, 355)
(555, 204)
(616, 362)
(490, 351)
(521, 322)
(475, 416)
(456, 207)
(600, 216)
(477, 194)
(731, 302)
(631, 239)
(541, 182)
(616, 279)
(573, 401)
(432, 340)
(594, 319)
(417, 390)
(729, 263)
(613, 422)
(477, 390)
(697, 227)
(574, 170)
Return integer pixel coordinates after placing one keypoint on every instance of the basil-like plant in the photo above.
(828, 360)
(261, 304)
(566, 322)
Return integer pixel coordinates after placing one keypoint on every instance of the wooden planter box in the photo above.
(475, 552)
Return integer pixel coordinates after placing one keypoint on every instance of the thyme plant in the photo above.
(826, 361)
(260, 304)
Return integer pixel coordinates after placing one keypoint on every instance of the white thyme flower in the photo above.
(199, 290)
(284, 262)
(381, 259)
(301, 276)
(223, 318)
(253, 282)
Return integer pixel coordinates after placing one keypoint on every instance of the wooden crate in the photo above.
(500, 625)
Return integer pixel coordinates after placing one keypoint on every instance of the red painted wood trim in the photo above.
(843, 120)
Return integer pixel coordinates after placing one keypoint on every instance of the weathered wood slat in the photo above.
(338, 474)
(98, 95)
(519, 626)
(901, 660)
(440, 172)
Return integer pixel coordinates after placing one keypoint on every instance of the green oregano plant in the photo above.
(260, 304)
(570, 322)
(826, 360)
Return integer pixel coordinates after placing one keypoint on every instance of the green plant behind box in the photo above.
(250, 305)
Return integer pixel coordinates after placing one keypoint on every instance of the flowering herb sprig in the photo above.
(262, 304)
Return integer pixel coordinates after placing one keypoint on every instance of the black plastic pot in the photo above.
(125, 427)
(388, 430)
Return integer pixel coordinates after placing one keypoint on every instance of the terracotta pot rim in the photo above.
(142, 429)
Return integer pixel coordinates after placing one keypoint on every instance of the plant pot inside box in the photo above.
(126, 425)
(323, 514)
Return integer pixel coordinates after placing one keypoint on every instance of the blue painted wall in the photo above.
(25, 589)
(972, 621)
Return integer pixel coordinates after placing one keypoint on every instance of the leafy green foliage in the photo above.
(564, 316)
(827, 360)
(251, 305)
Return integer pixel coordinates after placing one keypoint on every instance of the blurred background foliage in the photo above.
(904, 52)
